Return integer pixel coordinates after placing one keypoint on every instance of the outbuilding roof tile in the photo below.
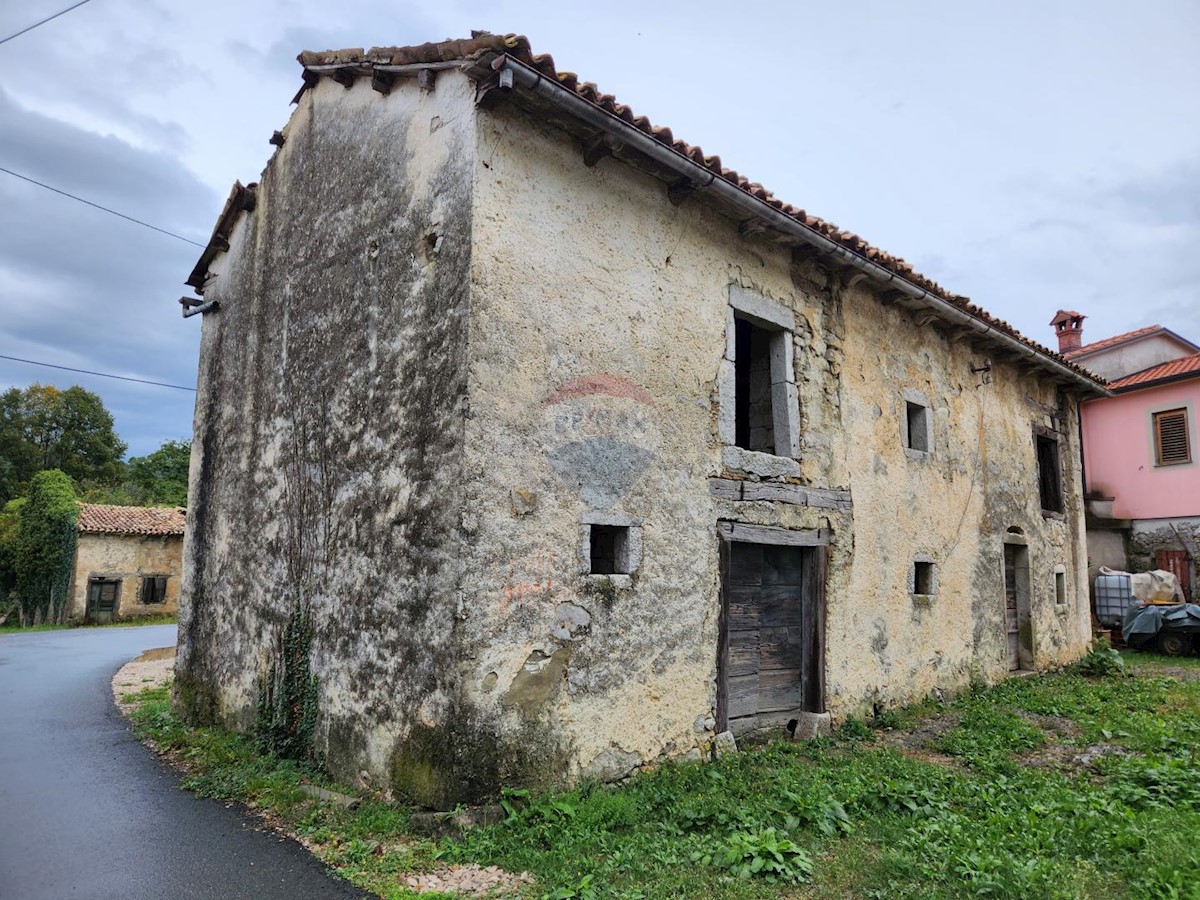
(102, 518)
(1168, 371)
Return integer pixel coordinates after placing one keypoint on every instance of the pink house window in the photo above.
(1171, 445)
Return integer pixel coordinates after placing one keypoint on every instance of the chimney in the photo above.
(1068, 328)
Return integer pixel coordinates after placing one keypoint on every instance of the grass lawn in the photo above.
(121, 623)
(1052, 786)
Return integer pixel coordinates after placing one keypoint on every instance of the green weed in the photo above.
(841, 817)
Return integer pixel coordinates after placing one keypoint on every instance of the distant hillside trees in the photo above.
(44, 427)
(161, 478)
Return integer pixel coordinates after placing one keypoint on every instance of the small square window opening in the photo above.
(1060, 588)
(154, 589)
(923, 578)
(918, 426)
(610, 550)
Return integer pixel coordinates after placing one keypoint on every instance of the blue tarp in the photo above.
(1142, 623)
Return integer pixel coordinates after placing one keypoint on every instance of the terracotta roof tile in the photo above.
(101, 518)
(481, 45)
(1114, 340)
(1168, 371)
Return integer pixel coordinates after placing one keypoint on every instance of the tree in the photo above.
(10, 522)
(161, 478)
(45, 547)
(43, 427)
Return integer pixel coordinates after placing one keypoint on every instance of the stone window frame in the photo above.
(633, 546)
(1186, 405)
(1061, 601)
(916, 398)
(774, 317)
(926, 559)
(1049, 434)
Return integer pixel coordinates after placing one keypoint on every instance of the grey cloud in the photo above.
(81, 288)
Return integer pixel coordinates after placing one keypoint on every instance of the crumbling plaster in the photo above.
(328, 423)
(445, 345)
(952, 506)
(589, 278)
(126, 557)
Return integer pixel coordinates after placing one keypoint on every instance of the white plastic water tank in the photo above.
(1113, 595)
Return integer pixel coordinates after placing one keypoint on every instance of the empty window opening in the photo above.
(1060, 588)
(154, 589)
(1049, 474)
(1171, 444)
(918, 426)
(754, 417)
(922, 578)
(610, 550)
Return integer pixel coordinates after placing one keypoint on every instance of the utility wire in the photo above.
(44, 21)
(34, 362)
(177, 237)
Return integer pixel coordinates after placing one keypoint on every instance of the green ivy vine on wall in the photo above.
(287, 694)
(44, 555)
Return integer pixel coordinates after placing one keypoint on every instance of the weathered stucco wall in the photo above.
(955, 506)
(445, 346)
(598, 329)
(128, 558)
(328, 429)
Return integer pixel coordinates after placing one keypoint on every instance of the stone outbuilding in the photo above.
(578, 448)
(128, 562)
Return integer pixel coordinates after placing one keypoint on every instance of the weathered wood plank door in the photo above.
(769, 649)
(102, 600)
(1010, 606)
(1176, 562)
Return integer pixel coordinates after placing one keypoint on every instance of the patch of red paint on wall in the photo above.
(600, 383)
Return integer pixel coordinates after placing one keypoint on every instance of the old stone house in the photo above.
(128, 561)
(581, 448)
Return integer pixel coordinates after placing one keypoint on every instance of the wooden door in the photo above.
(1011, 622)
(103, 596)
(768, 665)
(1176, 562)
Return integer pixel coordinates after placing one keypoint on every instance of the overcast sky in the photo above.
(1030, 155)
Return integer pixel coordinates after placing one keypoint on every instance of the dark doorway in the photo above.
(103, 596)
(1018, 622)
(771, 651)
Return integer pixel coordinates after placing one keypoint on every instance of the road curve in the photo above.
(88, 812)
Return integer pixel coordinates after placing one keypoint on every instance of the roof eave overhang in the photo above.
(242, 198)
(894, 287)
(500, 75)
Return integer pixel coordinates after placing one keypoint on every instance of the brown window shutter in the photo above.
(1171, 443)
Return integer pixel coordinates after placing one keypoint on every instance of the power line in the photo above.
(34, 362)
(178, 237)
(44, 21)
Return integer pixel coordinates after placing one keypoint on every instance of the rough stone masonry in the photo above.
(573, 469)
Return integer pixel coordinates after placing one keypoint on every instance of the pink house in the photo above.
(1140, 459)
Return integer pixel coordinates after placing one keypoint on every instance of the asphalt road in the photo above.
(86, 811)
